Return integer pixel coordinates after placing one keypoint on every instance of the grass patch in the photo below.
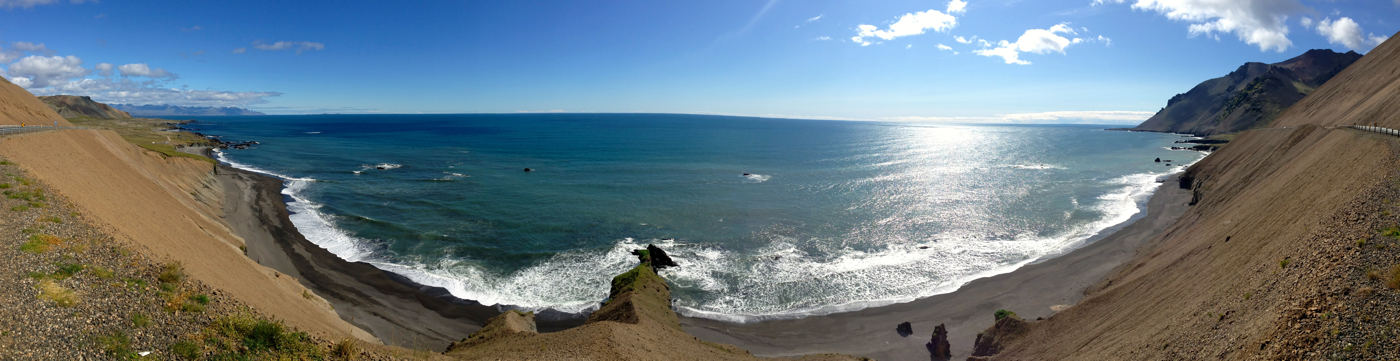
(172, 272)
(19, 208)
(4, 186)
(201, 299)
(63, 297)
(140, 320)
(102, 273)
(1283, 263)
(53, 219)
(1372, 274)
(66, 270)
(185, 349)
(1393, 281)
(40, 243)
(6, 162)
(346, 349)
(1003, 314)
(1361, 242)
(1247, 295)
(117, 345)
(1392, 232)
(245, 337)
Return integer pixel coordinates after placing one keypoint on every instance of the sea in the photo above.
(767, 218)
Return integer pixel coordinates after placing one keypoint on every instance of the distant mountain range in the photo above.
(1250, 97)
(73, 106)
(152, 110)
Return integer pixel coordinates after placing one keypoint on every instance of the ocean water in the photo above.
(832, 216)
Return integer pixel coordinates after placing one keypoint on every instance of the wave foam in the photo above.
(755, 178)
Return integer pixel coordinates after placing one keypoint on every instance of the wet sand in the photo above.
(1036, 290)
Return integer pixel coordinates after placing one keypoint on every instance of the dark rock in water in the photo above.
(659, 259)
(1159, 160)
(746, 174)
(775, 258)
(529, 170)
(938, 347)
(904, 329)
(923, 247)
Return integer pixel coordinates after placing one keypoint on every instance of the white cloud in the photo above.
(1308, 22)
(944, 47)
(1039, 41)
(149, 92)
(1256, 22)
(819, 17)
(11, 4)
(104, 69)
(909, 24)
(1089, 117)
(143, 70)
(960, 7)
(240, 50)
(822, 38)
(42, 71)
(964, 40)
(29, 47)
(1346, 32)
(300, 46)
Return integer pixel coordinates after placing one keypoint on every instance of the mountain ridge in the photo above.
(74, 106)
(1249, 97)
(150, 110)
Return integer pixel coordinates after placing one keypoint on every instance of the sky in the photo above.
(1001, 61)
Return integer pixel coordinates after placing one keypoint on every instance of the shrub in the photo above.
(346, 349)
(1394, 280)
(117, 344)
(1003, 314)
(1283, 263)
(102, 273)
(1393, 232)
(171, 272)
(202, 299)
(247, 336)
(4, 186)
(140, 320)
(185, 349)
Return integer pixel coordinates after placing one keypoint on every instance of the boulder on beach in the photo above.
(904, 329)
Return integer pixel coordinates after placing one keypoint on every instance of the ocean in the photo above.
(768, 218)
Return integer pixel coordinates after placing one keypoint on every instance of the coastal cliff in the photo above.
(1249, 97)
(1288, 253)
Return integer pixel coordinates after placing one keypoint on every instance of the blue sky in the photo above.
(1097, 61)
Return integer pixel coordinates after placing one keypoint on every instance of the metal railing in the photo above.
(1386, 131)
(6, 130)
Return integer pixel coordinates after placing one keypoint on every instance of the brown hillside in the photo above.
(73, 106)
(18, 106)
(171, 206)
(1288, 253)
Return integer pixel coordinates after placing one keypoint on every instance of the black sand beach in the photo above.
(403, 313)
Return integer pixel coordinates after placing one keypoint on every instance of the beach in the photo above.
(401, 312)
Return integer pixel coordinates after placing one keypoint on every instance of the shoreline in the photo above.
(402, 312)
(389, 306)
(1038, 289)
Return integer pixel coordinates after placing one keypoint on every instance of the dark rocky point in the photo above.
(904, 329)
(659, 259)
(938, 347)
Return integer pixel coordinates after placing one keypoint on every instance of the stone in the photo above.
(938, 346)
(904, 329)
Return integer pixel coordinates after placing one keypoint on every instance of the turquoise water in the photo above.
(834, 216)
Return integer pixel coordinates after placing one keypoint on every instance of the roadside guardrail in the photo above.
(1386, 131)
(6, 130)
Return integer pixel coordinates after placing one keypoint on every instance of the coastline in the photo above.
(1035, 290)
(389, 306)
(403, 313)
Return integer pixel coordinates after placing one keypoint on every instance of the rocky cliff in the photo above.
(1250, 97)
(73, 106)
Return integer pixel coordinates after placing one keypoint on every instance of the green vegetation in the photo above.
(1283, 263)
(244, 337)
(202, 299)
(101, 272)
(66, 270)
(1247, 295)
(149, 134)
(172, 273)
(1392, 232)
(1003, 314)
(135, 284)
(6, 162)
(4, 186)
(185, 349)
(140, 320)
(1361, 242)
(53, 219)
(117, 345)
(40, 243)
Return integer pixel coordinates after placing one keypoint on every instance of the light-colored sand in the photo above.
(18, 106)
(171, 206)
